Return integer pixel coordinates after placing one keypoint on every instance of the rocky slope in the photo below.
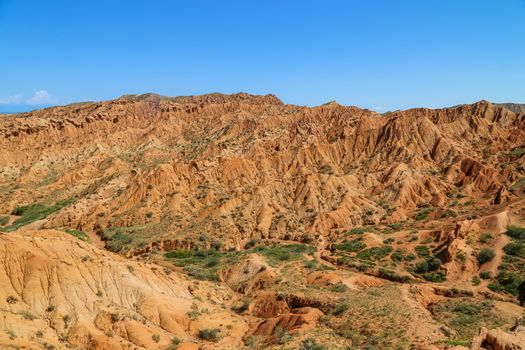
(424, 203)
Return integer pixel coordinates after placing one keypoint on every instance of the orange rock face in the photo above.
(275, 215)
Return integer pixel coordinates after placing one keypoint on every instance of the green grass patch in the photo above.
(78, 234)
(356, 231)
(423, 213)
(375, 253)
(33, 212)
(466, 316)
(507, 282)
(485, 255)
(116, 238)
(281, 253)
(517, 152)
(422, 251)
(351, 246)
(205, 264)
(4, 220)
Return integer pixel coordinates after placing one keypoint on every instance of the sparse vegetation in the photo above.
(507, 282)
(311, 344)
(33, 212)
(244, 306)
(203, 264)
(340, 309)
(209, 334)
(116, 239)
(78, 234)
(28, 315)
(516, 232)
(375, 253)
(280, 253)
(356, 231)
(4, 220)
(350, 245)
(423, 213)
(485, 275)
(339, 288)
(476, 281)
(174, 343)
(11, 299)
(465, 316)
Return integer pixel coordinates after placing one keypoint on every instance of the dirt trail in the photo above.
(427, 327)
(498, 245)
(96, 240)
(321, 248)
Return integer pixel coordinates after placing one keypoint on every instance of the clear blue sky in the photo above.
(379, 54)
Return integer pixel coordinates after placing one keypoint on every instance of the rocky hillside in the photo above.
(285, 214)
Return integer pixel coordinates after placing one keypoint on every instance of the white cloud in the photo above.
(41, 97)
(11, 100)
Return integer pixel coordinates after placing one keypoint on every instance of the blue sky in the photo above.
(379, 54)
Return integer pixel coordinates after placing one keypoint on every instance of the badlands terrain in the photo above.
(239, 222)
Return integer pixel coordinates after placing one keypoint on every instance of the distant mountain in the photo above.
(514, 107)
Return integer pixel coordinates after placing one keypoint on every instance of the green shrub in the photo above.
(209, 334)
(339, 287)
(116, 240)
(397, 255)
(350, 245)
(389, 240)
(251, 243)
(375, 253)
(422, 250)
(311, 344)
(485, 255)
(11, 299)
(393, 276)
(517, 152)
(476, 281)
(175, 341)
(485, 275)
(245, 305)
(485, 238)
(434, 276)
(516, 232)
(431, 264)
(193, 314)
(340, 309)
(423, 213)
(356, 231)
(28, 316)
(515, 249)
(4, 220)
(507, 282)
(156, 338)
